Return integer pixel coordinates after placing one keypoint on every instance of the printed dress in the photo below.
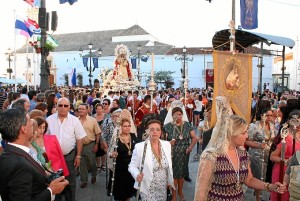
(179, 156)
(224, 183)
(158, 186)
(256, 134)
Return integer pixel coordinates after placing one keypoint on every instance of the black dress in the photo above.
(123, 185)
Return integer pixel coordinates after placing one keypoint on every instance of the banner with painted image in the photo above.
(233, 79)
(249, 10)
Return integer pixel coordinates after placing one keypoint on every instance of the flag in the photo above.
(133, 63)
(33, 26)
(144, 59)
(37, 3)
(50, 40)
(85, 61)
(95, 62)
(21, 28)
(249, 10)
(72, 80)
(65, 1)
(30, 2)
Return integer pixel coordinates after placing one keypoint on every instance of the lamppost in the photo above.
(90, 56)
(9, 57)
(139, 58)
(184, 59)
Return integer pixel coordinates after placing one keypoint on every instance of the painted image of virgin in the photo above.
(232, 81)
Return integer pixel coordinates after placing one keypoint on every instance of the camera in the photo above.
(54, 175)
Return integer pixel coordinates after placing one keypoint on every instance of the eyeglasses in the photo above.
(153, 130)
(61, 105)
(42, 127)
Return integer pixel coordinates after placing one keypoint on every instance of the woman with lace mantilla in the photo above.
(224, 165)
(179, 132)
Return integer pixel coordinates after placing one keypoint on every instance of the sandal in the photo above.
(103, 167)
(98, 169)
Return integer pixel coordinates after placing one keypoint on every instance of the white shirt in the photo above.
(24, 148)
(198, 106)
(67, 132)
(25, 96)
(0, 140)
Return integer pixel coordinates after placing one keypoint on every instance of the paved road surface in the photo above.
(97, 192)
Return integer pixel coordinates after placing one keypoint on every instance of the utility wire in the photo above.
(285, 3)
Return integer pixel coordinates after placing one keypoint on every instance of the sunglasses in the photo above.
(104, 103)
(61, 105)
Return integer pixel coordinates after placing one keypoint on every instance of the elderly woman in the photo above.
(179, 132)
(154, 155)
(121, 147)
(224, 165)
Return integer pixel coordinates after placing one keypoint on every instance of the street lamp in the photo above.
(9, 57)
(90, 56)
(184, 59)
(140, 57)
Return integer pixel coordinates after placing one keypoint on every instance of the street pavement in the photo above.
(97, 191)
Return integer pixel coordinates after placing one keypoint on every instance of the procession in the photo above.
(137, 128)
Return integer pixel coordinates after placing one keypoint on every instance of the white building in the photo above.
(66, 57)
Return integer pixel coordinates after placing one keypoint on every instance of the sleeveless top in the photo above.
(224, 182)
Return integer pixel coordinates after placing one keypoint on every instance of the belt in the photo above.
(89, 143)
(69, 152)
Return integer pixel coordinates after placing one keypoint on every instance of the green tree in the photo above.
(65, 77)
(163, 78)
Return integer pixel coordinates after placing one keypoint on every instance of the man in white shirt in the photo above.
(69, 133)
(22, 177)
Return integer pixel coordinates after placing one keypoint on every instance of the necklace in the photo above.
(237, 172)
(127, 144)
(180, 131)
(157, 155)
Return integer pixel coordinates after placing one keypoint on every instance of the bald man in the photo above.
(69, 133)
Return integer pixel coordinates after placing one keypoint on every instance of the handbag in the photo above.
(294, 185)
(169, 195)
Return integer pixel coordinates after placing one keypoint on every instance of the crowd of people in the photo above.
(143, 143)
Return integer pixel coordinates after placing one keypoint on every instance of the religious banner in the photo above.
(233, 79)
(209, 75)
(249, 9)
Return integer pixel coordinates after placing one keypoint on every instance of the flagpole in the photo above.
(34, 65)
(27, 58)
(232, 28)
(15, 67)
